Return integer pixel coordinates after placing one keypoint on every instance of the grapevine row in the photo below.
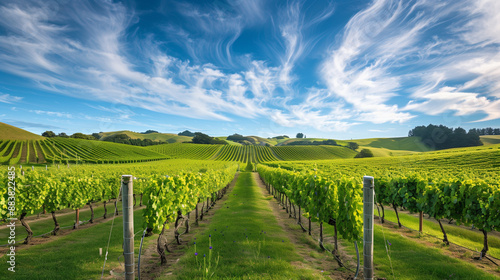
(323, 199)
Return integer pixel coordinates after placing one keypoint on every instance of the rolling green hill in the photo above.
(165, 137)
(381, 147)
(9, 132)
(312, 152)
(186, 150)
(490, 139)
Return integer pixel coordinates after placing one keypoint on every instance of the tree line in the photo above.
(442, 137)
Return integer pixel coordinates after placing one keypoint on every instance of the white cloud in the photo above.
(50, 113)
(386, 48)
(384, 58)
(7, 98)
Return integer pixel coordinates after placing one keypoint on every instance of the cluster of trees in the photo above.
(77, 135)
(186, 133)
(300, 135)
(304, 142)
(364, 153)
(125, 139)
(352, 145)
(486, 131)
(280, 137)
(242, 139)
(149, 131)
(201, 138)
(442, 137)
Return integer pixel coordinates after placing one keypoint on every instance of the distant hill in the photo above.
(9, 132)
(254, 139)
(490, 139)
(381, 147)
(165, 137)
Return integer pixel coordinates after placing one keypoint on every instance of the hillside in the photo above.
(9, 132)
(165, 137)
(381, 147)
(490, 139)
(319, 152)
(256, 139)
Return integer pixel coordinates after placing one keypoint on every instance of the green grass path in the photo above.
(73, 256)
(458, 235)
(248, 240)
(66, 220)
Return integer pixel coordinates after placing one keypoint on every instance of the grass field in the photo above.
(9, 132)
(490, 139)
(248, 241)
(165, 137)
(73, 256)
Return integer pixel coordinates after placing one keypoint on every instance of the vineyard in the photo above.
(68, 150)
(186, 150)
(319, 188)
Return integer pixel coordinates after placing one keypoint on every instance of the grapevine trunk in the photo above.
(27, 227)
(445, 239)
(56, 224)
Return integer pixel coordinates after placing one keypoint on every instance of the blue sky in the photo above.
(331, 69)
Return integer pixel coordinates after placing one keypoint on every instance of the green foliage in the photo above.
(352, 145)
(186, 133)
(299, 135)
(312, 152)
(201, 138)
(246, 153)
(125, 139)
(321, 197)
(166, 195)
(48, 134)
(79, 135)
(442, 137)
(364, 153)
(187, 150)
(242, 139)
(249, 166)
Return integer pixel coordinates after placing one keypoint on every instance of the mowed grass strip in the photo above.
(74, 256)
(246, 237)
(66, 220)
(411, 260)
(457, 235)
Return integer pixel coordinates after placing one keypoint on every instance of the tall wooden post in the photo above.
(420, 224)
(368, 189)
(128, 225)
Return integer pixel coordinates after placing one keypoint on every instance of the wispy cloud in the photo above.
(391, 61)
(23, 124)
(388, 48)
(50, 113)
(7, 98)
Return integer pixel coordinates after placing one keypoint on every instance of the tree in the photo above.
(79, 135)
(149, 131)
(364, 153)
(442, 137)
(96, 135)
(300, 135)
(352, 145)
(48, 134)
(62, 134)
(201, 138)
(186, 133)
